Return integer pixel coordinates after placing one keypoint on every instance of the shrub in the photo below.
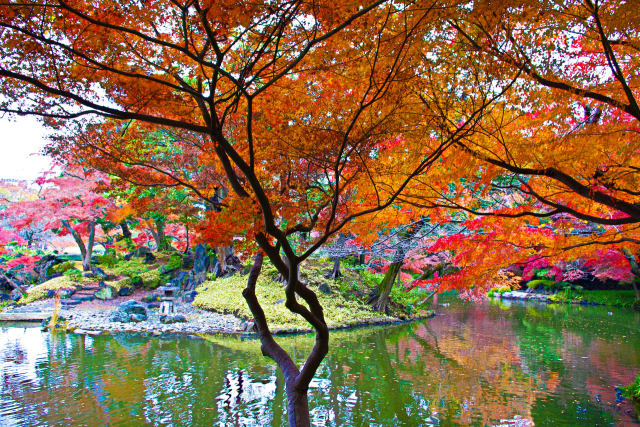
(63, 267)
(632, 391)
(541, 283)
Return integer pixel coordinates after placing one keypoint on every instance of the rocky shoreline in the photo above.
(96, 319)
(538, 297)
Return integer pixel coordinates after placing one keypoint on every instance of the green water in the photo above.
(486, 364)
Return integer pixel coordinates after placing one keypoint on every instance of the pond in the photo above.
(473, 364)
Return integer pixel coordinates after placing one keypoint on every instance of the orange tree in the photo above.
(568, 133)
(298, 104)
(562, 144)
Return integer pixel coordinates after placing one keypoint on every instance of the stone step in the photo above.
(83, 292)
(81, 297)
(89, 288)
(69, 302)
(24, 317)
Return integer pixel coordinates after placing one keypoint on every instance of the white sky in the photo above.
(21, 140)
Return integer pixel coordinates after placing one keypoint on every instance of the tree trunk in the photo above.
(296, 381)
(298, 408)
(381, 300)
(635, 269)
(335, 272)
(384, 289)
(86, 262)
(186, 227)
(159, 236)
(126, 233)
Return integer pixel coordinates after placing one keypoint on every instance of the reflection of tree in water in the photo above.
(17, 377)
(472, 365)
(593, 349)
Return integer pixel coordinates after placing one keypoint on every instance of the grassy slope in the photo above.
(344, 306)
(621, 298)
(124, 270)
(41, 291)
(225, 296)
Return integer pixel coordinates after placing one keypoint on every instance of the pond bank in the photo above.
(610, 298)
(519, 365)
(96, 317)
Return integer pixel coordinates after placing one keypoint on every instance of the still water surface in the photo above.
(487, 364)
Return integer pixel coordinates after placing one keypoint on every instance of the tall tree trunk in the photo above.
(296, 381)
(158, 235)
(384, 289)
(86, 262)
(126, 232)
(635, 269)
(335, 272)
(339, 252)
(186, 227)
(381, 298)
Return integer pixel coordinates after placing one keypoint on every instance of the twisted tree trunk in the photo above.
(296, 380)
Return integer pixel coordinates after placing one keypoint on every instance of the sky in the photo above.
(20, 141)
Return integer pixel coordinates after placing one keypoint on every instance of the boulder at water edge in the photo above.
(189, 296)
(125, 291)
(176, 318)
(15, 295)
(129, 311)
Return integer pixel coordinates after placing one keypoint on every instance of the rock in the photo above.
(201, 264)
(216, 268)
(153, 305)
(66, 293)
(149, 258)
(105, 293)
(125, 291)
(325, 288)
(87, 274)
(248, 326)
(137, 317)
(87, 332)
(59, 322)
(280, 301)
(150, 298)
(141, 252)
(189, 296)
(129, 311)
(187, 262)
(181, 281)
(15, 295)
(98, 272)
(45, 265)
(176, 318)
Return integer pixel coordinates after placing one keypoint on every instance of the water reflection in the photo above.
(487, 364)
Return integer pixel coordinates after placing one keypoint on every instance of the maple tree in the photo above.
(565, 137)
(302, 122)
(161, 212)
(320, 117)
(68, 204)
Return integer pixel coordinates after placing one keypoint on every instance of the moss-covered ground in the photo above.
(123, 272)
(58, 283)
(616, 298)
(343, 299)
